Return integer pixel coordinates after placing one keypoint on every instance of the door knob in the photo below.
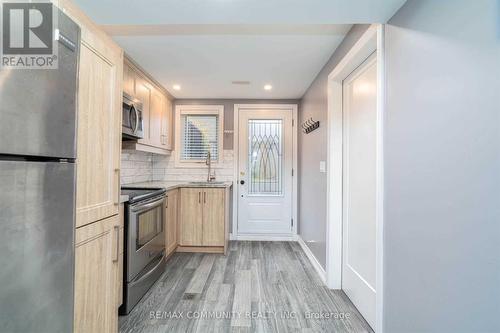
(242, 182)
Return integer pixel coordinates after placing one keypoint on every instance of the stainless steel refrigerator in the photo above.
(37, 191)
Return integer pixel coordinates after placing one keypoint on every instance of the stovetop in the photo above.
(139, 194)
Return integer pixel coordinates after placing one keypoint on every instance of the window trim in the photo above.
(216, 110)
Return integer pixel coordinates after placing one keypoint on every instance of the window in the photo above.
(199, 131)
(199, 135)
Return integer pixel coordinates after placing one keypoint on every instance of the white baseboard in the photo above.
(260, 237)
(317, 266)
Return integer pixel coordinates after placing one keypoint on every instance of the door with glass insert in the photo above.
(265, 172)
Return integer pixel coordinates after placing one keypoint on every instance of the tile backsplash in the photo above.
(136, 167)
(140, 167)
(164, 169)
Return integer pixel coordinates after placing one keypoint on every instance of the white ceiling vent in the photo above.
(241, 83)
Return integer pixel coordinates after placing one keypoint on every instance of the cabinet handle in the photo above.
(204, 197)
(163, 139)
(117, 202)
(117, 230)
(199, 197)
(167, 202)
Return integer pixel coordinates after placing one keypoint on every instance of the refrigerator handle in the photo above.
(117, 173)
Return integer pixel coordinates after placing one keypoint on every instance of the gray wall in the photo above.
(229, 110)
(312, 150)
(442, 176)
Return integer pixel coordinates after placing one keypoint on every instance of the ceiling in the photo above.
(204, 46)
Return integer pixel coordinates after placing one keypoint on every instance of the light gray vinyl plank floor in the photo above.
(261, 287)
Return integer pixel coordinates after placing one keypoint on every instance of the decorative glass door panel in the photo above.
(265, 162)
(265, 157)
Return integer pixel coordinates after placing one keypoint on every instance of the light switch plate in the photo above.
(322, 166)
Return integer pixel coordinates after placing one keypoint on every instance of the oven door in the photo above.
(146, 234)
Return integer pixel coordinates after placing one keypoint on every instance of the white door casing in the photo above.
(372, 40)
(266, 157)
(359, 188)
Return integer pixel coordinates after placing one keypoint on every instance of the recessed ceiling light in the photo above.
(268, 87)
(176, 87)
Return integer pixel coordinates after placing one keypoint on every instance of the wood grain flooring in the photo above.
(258, 287)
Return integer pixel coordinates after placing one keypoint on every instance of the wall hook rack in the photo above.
(309, 125)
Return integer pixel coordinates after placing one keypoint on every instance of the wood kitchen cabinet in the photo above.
(143, 93)
(97, 258)
(99, 226)
(121, 250)
(213, 217)
(129, 78)
(190, 217)
(157, 110)
(99, 121)
(204, 219)
(171, 221)
(167, 125)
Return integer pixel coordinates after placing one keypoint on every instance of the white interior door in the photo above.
(359, 188)
(265, 171)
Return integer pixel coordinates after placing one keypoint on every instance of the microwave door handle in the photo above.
(132, 108)
(141, 208)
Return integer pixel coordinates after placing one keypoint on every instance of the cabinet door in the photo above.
(190, 221)
(155, 118)
(99, 134)
(95, 277)
(143, 93)
(171, 215)
(213, 217)
(128, 80)
(166, 128)
(120, 248)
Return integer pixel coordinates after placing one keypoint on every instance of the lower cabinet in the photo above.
(190, 217)
(171, 221)
(121, 251)
(203, 219)
(213, 217)
(97, 275)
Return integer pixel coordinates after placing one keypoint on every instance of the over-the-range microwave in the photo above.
(132, 123)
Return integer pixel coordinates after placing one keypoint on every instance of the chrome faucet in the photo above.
(210, 176)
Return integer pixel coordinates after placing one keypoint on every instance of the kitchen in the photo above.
(143, 200)
(248, 166)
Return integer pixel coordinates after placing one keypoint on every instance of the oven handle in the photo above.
(141, 208)
(151, 271)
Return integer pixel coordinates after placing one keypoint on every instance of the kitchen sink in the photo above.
(206, 183)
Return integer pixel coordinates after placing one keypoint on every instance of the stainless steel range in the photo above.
(144, 243)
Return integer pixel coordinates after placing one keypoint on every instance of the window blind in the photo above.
(200, 134)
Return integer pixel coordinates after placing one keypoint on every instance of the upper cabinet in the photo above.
(157, 110)
(128, 80)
